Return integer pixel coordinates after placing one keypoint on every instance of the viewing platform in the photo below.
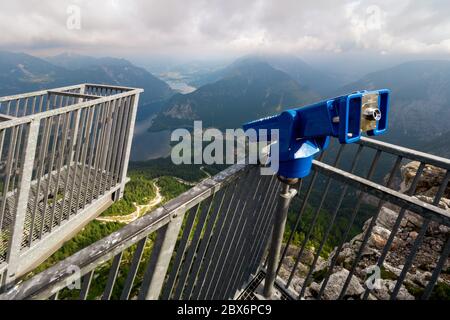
(63, 160)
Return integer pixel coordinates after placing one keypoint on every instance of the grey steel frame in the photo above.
(211, 241)
(63, 160)
(205, 244)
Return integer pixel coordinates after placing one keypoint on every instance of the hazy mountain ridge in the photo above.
(73, 61)
(21, 72)
(250, 88)
(418, 118)
(420, 104)
(300, 71)
(247, 90)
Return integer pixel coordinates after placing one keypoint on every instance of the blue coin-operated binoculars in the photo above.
(306, 131)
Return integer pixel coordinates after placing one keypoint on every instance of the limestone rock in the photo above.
(412, 220)
(384, 289)
(387, 218)
(429, 180)
(336, 282)
(379, 237)
(306, 258)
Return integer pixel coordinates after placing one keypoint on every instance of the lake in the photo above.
(149, 145)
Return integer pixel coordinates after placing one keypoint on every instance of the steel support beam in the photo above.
(284, 201)
(23, 192)
(160, 259)
(129, 139)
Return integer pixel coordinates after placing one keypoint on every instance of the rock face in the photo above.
(302, 267)
(429, 181)
(335, 285)
(385, 288)
(417, 277)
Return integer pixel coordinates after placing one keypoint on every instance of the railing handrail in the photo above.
(77, 86)
(54, 150)
(107, 86)
(408, 202)
(406, 152)
(58, 276)
(54, 112)
(52, 280)
(36, 93)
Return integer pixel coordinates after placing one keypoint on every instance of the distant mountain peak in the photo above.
(295, 67)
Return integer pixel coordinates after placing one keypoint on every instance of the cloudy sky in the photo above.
(226, 27)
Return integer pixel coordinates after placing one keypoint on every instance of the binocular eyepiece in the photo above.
(370, 112)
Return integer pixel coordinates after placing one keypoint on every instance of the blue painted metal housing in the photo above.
(305, 131)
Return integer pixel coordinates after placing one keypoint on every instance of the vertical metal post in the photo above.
(127, 151)
(284, 200)
(160, 259)
(13, 257)
(77, 119)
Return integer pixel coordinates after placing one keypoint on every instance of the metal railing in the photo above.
(205, 244)
(211, 242)
(358, 186)
(63, 154)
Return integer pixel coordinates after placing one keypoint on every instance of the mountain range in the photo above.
(297, 69)
(420, 103)
(20, 72)
(418, 117)
(250, 88)
(247, 90)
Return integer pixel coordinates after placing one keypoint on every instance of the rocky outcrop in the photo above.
(429, 181)
(335, 285)
(302, 268)
(181, 111)
(423, 265)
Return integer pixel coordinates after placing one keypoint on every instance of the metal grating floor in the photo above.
(83, 193)
(249, 291)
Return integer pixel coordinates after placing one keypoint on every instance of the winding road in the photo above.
(139, 212)
(143, 209)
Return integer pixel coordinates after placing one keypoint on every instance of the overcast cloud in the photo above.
(226, 27)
